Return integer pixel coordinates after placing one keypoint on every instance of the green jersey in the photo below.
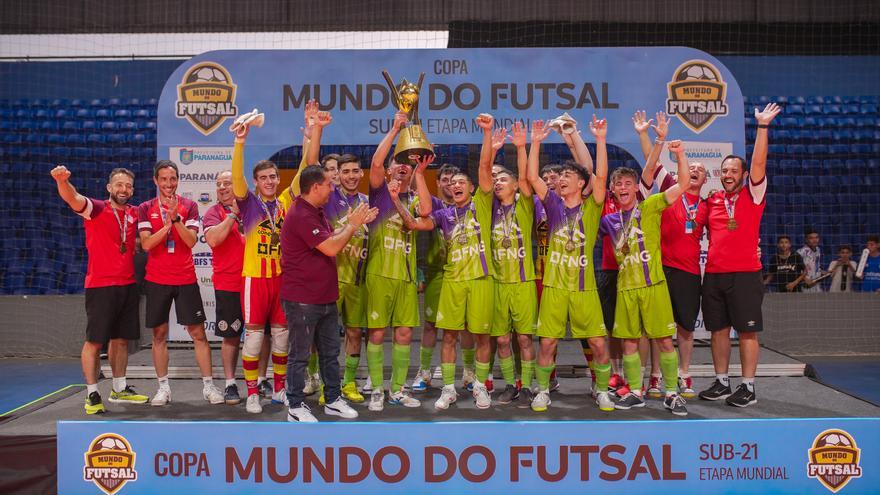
(512, 224)
(467, 232)
(572, 235)
(436, 257)
(392, 247)
(351, 261)
(635, 236)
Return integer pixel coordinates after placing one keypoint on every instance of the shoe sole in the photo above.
(750, 403)
(154, 404)
(627, 408)
(606, 409)
(487, 406)
(96, 411)
(539, 409)
(689, 395)
(292, 419)
(123, 401)
(715, 398)
(334, 412)
(678, 413)
(412, 406)
(232, 402)
(655, 395)
(505, 402)
(356, 400)
(443, 408)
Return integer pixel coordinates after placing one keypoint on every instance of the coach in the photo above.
(309, 290)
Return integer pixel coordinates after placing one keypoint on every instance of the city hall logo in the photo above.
(834, 459)
(110, 463)
(697, 94)
(206, 96)
(186, 156)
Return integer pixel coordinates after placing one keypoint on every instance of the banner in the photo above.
(796, 456)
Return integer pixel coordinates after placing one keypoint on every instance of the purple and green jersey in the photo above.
(467, 232)
(392, 246)
(571, 235)
(351, 262)
(512, 225)
(642, 265)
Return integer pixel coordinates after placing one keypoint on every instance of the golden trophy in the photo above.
(412, 143)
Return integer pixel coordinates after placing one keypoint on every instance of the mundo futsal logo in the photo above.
(834, 459)
(206, 96)
(110, 463)
(697, 94)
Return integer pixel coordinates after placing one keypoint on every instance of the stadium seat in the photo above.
(805, 183)
(103, 153)
(114, 102)
(863, 135)
(122, 114)
(96, 138)
(829, 182)
(794, 110)
(869, 99)
(81, 153)
(791, 149)
(109, 126)
(813, 110)
(852, 109)
(846, 122)
(817, 149)
(860, 149)
(811, 166)
(55, 139)
(842, 135)
(128, 126)
(141, 114)
(49, 126)
(833, 166)
(58, 103)
(856, 167)
(75, 139)
(85, 114)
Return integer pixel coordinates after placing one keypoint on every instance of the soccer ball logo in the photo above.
(207, 74)
(834, 439)
(112, 443)
(700, 72)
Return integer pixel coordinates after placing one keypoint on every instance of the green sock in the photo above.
(482, 372)
(603, 374)
(425, 355)
(375, 363)
(507, 370)
(632, 370)
(467, 358)
(313, 363)
(528, 368)
(448, 370)
(543, 375)
(351, 366)
(399, 366)
(669, 367)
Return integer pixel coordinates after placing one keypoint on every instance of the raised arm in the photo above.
(75, 200)
(539, 133)
(662, 129)
(357, 217)
(424, 194)
(641, 125)
(758, 170)
(313, 154)
(579, 150)
(684, 174)
(377, 166)
(239, 183)
(519, 136)
(599, 129)
(411, 223)
(487, 152)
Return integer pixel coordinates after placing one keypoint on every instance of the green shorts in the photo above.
(467, 304)
(352, 305)
(432, 297)
(646, 307)
(581, 309)
(516, 308)
(391, 302)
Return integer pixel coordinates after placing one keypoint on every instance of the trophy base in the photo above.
(412, 145)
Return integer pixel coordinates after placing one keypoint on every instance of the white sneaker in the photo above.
(368, 386)
(422, 380)
(447, 396)
(340, 408)
(377, 400)
(468, 378)
(541, 401)
(401, 398)
(162, 397)
(212, 394)
(604, 401)
(280, 397)
(312, 385)
(301, 414)
(253, 405)
(481, 396)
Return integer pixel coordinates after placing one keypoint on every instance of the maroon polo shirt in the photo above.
(307, 275)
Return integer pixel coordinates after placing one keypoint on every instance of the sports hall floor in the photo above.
(848, 387)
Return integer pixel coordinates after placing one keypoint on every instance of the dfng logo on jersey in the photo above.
(110, 463)
(834, 459)
(697, 94)
(206, 96)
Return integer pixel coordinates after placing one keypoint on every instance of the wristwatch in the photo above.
(176, 220)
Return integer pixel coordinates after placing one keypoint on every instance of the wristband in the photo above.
(176, 220)
(763, 126)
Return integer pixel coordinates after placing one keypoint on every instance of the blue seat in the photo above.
(133, 102)
(109, 126)
(846, 122)
(777, 149)
(59, 102)
(128, 126)
(49, 126)
(813, 110)
(827, 121)
(851, 109)
(868, 109)
(96, 138)
(89, 125)
(797, 100)
(81, 153)
(102, 153)
(856, 166)
(869, 99)
(843, 135)
(63, 114)
(811, 166)
(805, 183)
(794, 110)
(98, 103)
(124, 153)
(792, 149)
(122, 114)
(850, 181)
(138, 139)
(863, 135)
(838, 149)
(810, 122)
(78, 103)
(830, 182)
(85, 114)
(782, 100)
(117, 138)
(55, 139)
(141, 114)
(817, 149)
(873, 166)
(782, 136)
(102, 113)
(816, 100)
(75, 139)
(833, 166)
(151, 102)
(35, 139)
(861, 149)
(114, 102)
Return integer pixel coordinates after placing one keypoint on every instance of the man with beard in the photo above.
(569, 283)
(732, 289)
(111, 292)
(168, 226)
(392, 293)
(223, 233)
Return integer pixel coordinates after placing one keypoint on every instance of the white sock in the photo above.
(207, 381)
(163, 382)
(749, 383)
(230, 382)
(723, 378)
(118, 384)
(91, 388)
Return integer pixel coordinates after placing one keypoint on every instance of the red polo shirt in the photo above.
(164, 267)
(734, 250)
(108, 266)
(228, 256)
(308, 276)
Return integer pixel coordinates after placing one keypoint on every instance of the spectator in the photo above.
(871, 275)
(842, 270)
(786, 267)
(812, 256)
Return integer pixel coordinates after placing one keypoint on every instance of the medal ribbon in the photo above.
(122, 229)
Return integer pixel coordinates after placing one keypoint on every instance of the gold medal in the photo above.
(731, 224)
(506, 243)
(569, 246)
(625, 249)
(462, 239)
(275, 239)
(122, 248)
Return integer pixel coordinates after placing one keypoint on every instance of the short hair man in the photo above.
(812, 256)
(871, 275)
(843, 270)
(111, 292)
(786, 267)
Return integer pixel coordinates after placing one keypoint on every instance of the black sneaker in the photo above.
(230, 395)
(630, 401)
(508, 395)
(717, 391)
(525, 398)
(554, 384)
(742, 397)
(265, 389)
(676, 405)
(94, 404)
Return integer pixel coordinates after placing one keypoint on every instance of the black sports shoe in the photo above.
(675, 404)
(742, 397)
(525, 398)
(717, 391)
(630, 401)
(230, 395)
(509, 395)
(265, 389)
(94, 404)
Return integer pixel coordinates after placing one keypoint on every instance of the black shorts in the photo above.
(113, 313)
(684, 290)
(733, 299)
(608, 296)
(229, 320)
(187, 301)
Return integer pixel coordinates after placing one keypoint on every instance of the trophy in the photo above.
(412, 143)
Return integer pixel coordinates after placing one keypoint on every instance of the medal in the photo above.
(122, 230)
(462, 239)
(731, 224)
(569, 245)
(506, 243)
(625, 249)
(729, 205)
(275, 239)
(122, 248)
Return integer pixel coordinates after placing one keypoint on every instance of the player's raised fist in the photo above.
(323, 119)
(60, 173)
(485, 121)
(676, 146)
(400, 120)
